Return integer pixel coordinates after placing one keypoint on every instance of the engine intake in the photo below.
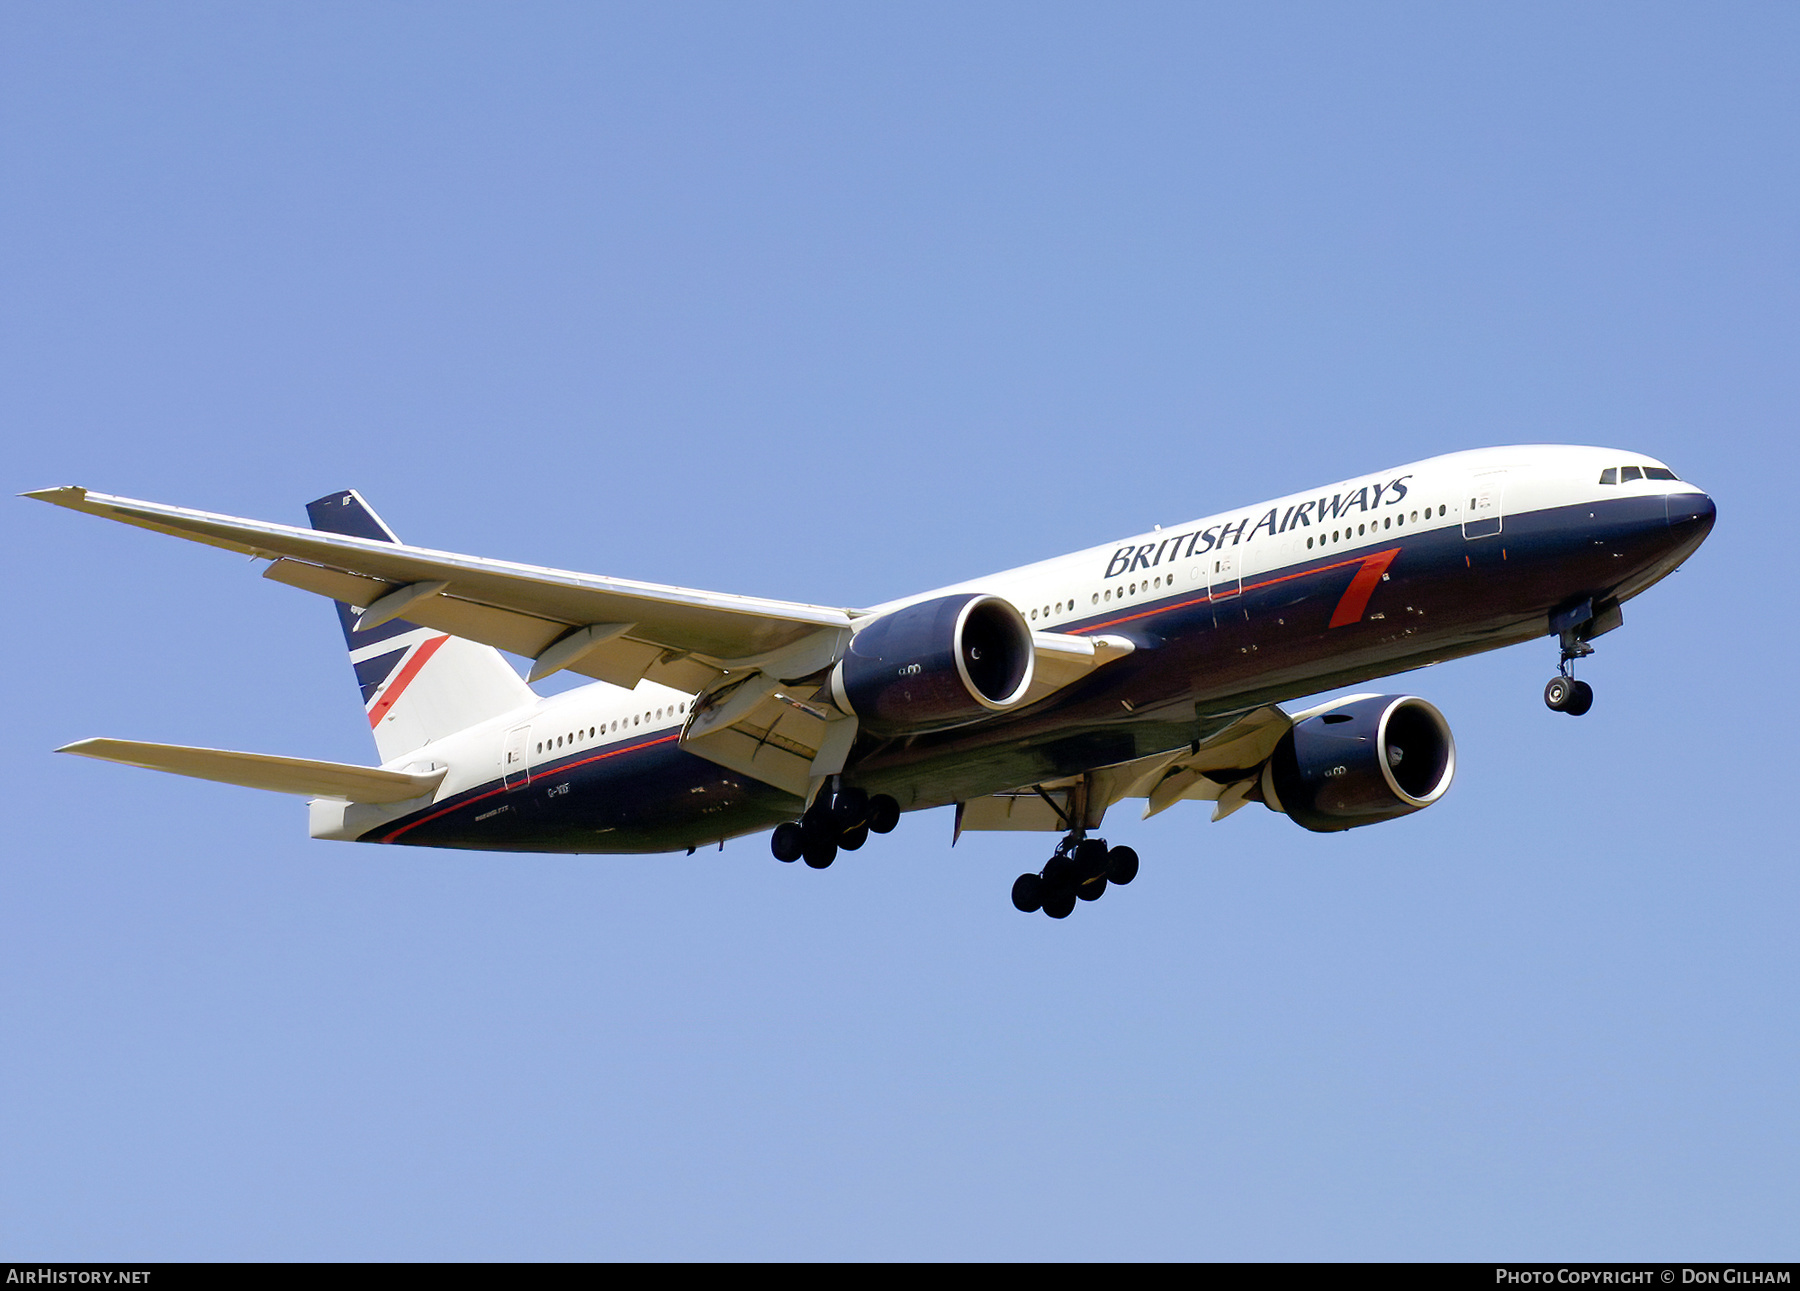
(937, 664)
(1367, 760)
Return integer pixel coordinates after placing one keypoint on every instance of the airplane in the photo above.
(1036, 699)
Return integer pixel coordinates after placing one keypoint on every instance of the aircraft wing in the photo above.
(612, 629)
(265, 771)
(1222, 768)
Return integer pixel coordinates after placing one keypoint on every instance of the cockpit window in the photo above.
(1620, 474)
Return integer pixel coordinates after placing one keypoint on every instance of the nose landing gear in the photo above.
(1573, 628)
(1080, 869)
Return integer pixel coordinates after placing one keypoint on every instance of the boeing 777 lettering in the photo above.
(1148, 669)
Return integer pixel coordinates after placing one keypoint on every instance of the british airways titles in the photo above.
(1369, 497)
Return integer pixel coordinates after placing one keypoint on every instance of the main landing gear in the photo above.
(841, 819)
(1080, 870)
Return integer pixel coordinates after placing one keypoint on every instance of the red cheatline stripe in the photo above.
(398, 685)
(1385, 557)
(1362, 587)
(567, 766)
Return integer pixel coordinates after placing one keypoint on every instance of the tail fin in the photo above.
(418, 684)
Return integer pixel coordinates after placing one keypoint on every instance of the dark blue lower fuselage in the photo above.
(1295, 630)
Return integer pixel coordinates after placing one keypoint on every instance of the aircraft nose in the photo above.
(1690, 514)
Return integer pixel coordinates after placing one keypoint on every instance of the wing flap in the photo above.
(1019, 810)
(771, 743)
(755, 727)
(522, 634)
(1242, 746)
(264, 771)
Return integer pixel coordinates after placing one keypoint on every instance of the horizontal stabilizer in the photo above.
(264, 771)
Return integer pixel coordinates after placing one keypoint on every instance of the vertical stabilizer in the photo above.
(418, 684)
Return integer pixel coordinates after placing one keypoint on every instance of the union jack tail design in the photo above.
(418, 684)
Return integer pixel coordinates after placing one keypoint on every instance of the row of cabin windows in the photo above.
(551, 745)
(1625, 474)
(1388, 522)
(1132, 589)
(1168, 580)
(1122, 591)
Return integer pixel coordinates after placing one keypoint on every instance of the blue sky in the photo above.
(836, 303)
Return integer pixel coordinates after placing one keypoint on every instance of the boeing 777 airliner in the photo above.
(1035, 699)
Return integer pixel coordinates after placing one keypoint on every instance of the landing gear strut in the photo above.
(839, 818)
(1563, 694)
(1575, 627)
(1080, 870)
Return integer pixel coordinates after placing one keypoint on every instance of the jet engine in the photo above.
(936, 664)
(1368, 760)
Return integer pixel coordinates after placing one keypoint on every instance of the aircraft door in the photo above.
(1224, 579)
(515, 759)
(1484, 509)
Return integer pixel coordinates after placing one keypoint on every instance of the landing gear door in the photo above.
(515, 759)
(1484, 505)
(1223, 577)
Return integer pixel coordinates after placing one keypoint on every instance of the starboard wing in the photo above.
(612, 629)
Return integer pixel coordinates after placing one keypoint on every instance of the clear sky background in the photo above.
(836, 303)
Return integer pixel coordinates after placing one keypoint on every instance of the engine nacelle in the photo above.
(1364, 761)
(937, 664)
